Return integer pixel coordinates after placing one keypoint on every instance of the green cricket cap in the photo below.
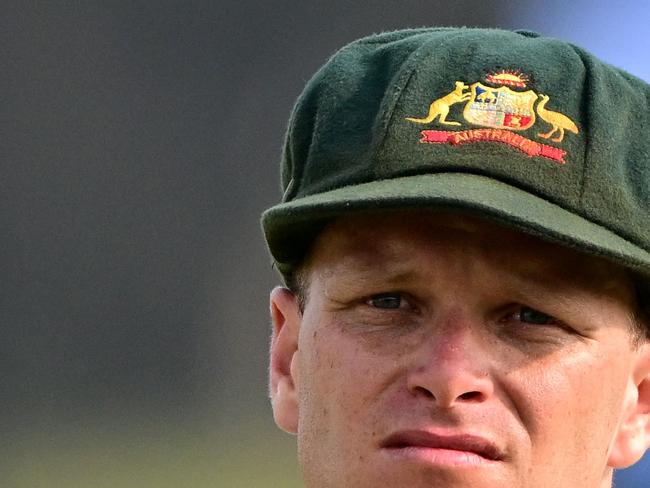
(526, 130)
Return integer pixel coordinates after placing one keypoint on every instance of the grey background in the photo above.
(139, 144)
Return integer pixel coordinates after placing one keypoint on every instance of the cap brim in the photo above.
(290, 227)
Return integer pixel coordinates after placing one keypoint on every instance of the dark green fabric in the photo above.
(350, 147)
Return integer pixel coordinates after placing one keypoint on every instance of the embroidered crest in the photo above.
(502, 109)
(508, 77)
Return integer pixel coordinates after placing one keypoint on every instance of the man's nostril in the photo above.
(470, 395)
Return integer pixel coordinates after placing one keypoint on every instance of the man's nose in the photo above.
(452, 366)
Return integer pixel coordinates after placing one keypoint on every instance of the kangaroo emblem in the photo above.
(440, 107)
(560, 122)
(504, 115)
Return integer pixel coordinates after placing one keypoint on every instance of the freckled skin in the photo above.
(460, 352)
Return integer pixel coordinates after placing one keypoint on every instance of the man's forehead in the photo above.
(388, 232)
(386, 241)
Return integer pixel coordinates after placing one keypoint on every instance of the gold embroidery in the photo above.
(503, 110)
(559, 121)
(440, 107)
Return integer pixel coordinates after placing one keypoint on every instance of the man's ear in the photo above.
(633, 436)
(283, 381)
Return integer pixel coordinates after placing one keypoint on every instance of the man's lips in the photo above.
(463, 443)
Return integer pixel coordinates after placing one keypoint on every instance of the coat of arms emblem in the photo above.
(500, 108)
(503, 110)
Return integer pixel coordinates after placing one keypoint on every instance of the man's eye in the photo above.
(532, 316)
(387, 300)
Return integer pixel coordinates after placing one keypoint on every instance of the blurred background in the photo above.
(140, 141)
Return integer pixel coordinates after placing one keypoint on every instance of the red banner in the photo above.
(512, 139)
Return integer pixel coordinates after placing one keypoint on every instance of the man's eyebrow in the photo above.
(387, 273)
(367, 270)
(597, 277)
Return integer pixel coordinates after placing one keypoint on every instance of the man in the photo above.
(465, 240)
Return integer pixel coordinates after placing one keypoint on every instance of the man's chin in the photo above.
(419, 469)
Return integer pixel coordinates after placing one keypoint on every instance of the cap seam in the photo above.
(403, 81)
(586, 108)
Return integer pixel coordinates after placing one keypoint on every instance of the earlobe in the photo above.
(283, 377)
(633, 436)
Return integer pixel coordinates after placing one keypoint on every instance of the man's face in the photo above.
(441, 350)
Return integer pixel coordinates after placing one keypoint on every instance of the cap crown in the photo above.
(535, 113)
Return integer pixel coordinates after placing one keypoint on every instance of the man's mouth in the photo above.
(442, 449)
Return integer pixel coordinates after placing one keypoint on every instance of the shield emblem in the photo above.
(500, 107)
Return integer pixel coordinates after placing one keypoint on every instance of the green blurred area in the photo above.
(249, 454)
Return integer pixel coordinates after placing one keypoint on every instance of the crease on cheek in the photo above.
(535, 392)
(561, 394)
(356, 372)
